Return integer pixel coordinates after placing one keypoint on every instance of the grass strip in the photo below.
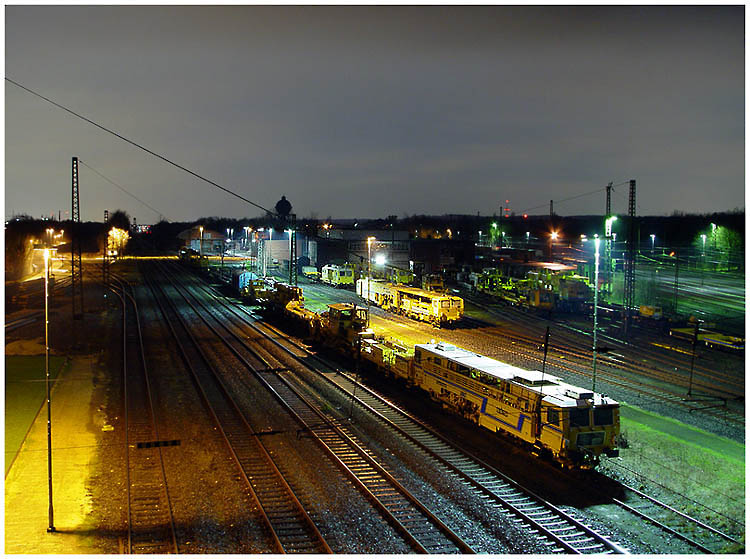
(707, 469)
(25, 392)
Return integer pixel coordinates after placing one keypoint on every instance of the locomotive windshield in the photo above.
(604, 416)
(579, 417)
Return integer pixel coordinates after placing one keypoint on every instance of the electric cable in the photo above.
(160, 214)
(139, 146)
(527, 210)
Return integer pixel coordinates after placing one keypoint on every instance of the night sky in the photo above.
(355, 111)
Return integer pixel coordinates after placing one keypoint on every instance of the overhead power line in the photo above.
(121, 188)
(527, 210)
(139, 146)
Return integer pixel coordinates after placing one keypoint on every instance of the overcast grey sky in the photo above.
(356, 111)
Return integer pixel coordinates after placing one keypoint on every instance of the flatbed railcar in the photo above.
(710, 338)
(438, 309)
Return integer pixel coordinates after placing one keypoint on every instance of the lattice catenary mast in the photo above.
(105, 258)
(628, 301)
(76, 269)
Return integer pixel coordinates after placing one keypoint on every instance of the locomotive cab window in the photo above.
(604, 416)
(417, 356)
(579, 417)
(553, 417)
(438, 361)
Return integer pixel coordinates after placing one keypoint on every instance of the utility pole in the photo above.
(76, 269)
(105, 259)
(609, 200)
(676, 274)
(692, 360)
(293, 249)
(596, 306)
(541, 388)
(50, 510)
(629, 291)
(608, 243)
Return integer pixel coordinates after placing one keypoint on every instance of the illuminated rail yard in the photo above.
(539, 348)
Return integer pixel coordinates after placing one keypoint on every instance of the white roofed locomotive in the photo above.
(572, 425)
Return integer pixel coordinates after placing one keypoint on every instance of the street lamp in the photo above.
(653, 238)
(703, 238)
(369, 275)
(51, 527)
(596, 303)
(552, 239)
(201, 243)
(230, 233)
(713, 234)
(608, 225)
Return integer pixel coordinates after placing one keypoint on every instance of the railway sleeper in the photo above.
(540, 512)
(530, 511)
(554, 523)
(591, 547)
(561, 531)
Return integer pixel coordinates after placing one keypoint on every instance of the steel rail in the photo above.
(273, 521)
(322, 428)
(431, 448)
(696, 544)
(565, 536)
(335, 378)
(150, 492)
(582, 351)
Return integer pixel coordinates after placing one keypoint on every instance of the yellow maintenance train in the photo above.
(439, 309)
(571, 425)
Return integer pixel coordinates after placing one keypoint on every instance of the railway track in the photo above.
(151, 526)
(487, 481)
(290, 527)
(711, 381)
(647, 381)
(561, 531)
(421, 529)
(672, 522)
(697, 533)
